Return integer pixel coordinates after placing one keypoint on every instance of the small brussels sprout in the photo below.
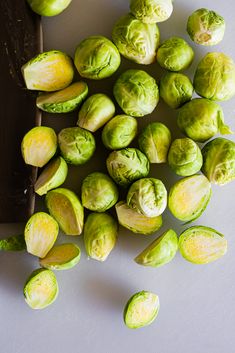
(135, 40)
(48, 71)
(176, 89)
(61, 257)
(175, 54)
(40, 234)
(66, 208)
(95, 112)
(206, 27)
(136, 93)
(13, 243)
(201, 245)
(215, 77)
(77, 145)
(99, 193)
(219, 161)
(41, 289)
(100, 235)
(39, 145)
(151, 11)
(127, 165)
(48, 7)
(189, 197)
(161, 251)
(119, 132)
(154, 141)
(185, 157)
(147, 196)
(96, 57)
(141, 309)
(200, 119)
(135, 221)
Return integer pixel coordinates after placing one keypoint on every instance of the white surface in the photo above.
(197, 311)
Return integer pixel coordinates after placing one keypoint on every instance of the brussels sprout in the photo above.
(136, 92)
(100, 234)
(135, 221)
(154, 141)
(95, 112)
(200, 119)
(40, 234)
(66, 208)
(96, 57)
(219, 161)
(77, 145)
(161, 251)
(189, 197)
(13, 243)
(201, 245)
(41, 289)
(39, 145)
(52, 176)
(175, 54)
(151, 11)
(206, 27)
(119, 132)
(141, 309)
(175, 89)
(127, 165)
(135, 40)
(215, 77)
(99, 193)
(147, 196)
(48, 71)
(185, 157)
(48, 7)
(61, 257)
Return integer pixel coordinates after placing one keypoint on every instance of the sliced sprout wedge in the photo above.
(13, 243)
(61, 257)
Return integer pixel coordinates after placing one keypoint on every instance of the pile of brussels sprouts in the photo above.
(136, 37)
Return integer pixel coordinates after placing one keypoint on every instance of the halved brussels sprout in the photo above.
(141, 309)
(13, 243)
(64, 205)
(48, 7)
(48, 71)
(151, 11)
(201, 245)
(96, 57)
(40, 234)
(39, 145)
(61, 257)
(136, 92)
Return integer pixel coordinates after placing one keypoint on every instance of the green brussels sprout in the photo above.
(154, 140)
(61, 257)
(136, 93)
(215, 77)
(39, 145)
(185, 157)
(13, 243)
(147, 196)
(161, 251)
(100, 235)
(48, 7)
(127, 165)
(96, 57)
(219, 161)
(64, 205)
(77, 145)
(175, 54)
(41, 289)
(189, 197)
(48, 71)
(200, 119)
(135, 40)
(99, 192)
(119, 132)
(136, 222)
(95, 112)
(141, 309)
(206, 27)
(201, 245)
(175, 89)
(151, 11)
(40, 234)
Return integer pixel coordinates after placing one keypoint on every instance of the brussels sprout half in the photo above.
(13, 243)
(48, 7)
(151, 11)
(61, 257)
